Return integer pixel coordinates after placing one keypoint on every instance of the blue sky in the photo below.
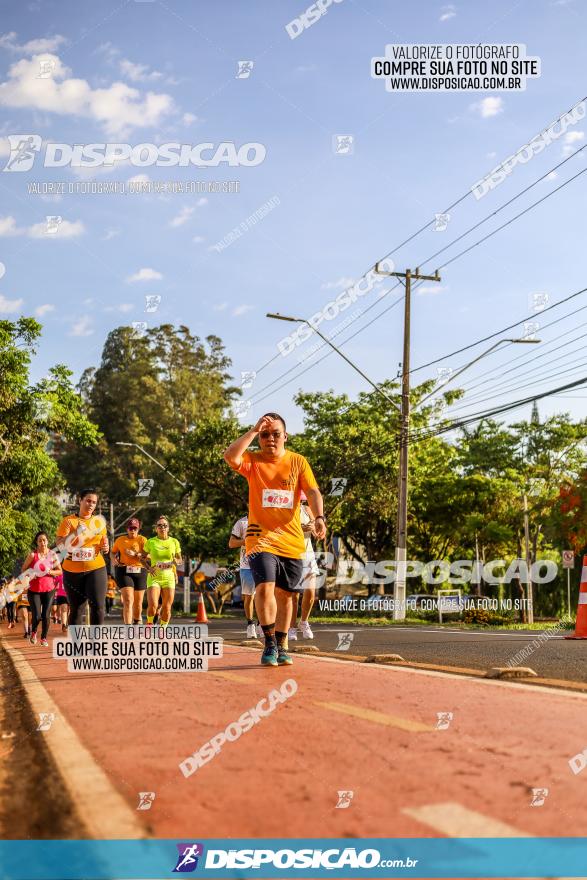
(157, 72)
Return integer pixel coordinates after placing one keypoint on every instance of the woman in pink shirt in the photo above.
(41, 589)
(61, 603)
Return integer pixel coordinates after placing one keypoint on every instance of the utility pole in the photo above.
(530, 597)
(399, 604)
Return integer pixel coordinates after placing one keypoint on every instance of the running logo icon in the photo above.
(345, 640)
(539, 795)
(146, 799)
(344, 800)
(46, 719)
(444, 719)
(23, 150)
(187, 860)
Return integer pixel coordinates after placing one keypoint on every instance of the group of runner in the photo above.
(81, 578)
(278, 566)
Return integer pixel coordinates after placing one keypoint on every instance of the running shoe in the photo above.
(283, 658)
(10, 626)
(33, 639)
(251, 631)
(269, 656)
(63, 627)
(260, 633)
(44, 643)
(306, 630)
(292, 634)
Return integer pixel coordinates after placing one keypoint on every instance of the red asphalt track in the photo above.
(350, 726)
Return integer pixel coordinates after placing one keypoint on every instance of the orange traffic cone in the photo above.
(201, 610)
(581, 621)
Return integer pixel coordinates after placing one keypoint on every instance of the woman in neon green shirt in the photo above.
(162, 554)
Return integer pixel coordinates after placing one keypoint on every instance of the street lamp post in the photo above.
(158, 463)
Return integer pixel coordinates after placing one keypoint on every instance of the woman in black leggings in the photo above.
(84, 568)
(41, 589)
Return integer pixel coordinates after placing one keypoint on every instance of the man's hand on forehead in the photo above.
(263, 424)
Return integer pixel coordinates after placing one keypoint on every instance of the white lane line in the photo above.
(454, 820)
(102, 809)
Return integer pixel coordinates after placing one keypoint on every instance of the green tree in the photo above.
(29, 416)
(151, 390)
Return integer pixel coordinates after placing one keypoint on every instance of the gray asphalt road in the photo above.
(554, 657)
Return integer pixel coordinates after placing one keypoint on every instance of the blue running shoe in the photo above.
(283, 658)
(269, 656)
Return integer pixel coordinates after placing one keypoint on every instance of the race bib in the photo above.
(163, 565)
(133, 569)
(278, 498)
(83, 554)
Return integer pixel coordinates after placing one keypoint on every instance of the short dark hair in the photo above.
(277, 417)
(90, 491)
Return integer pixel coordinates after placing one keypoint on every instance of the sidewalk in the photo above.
(350, 727)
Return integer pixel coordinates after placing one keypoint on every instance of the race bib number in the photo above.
(163, 565)
(278, 498)
(83, 554)
(133, 569)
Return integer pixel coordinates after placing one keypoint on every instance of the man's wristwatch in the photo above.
(323, 518)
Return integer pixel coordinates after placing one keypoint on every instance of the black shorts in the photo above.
(281, 570)
(61, 600)
(123, 578)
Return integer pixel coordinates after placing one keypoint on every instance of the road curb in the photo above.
(511, 672)
(100, 807)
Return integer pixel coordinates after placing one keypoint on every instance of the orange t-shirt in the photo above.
(274, 502)
(86, 547)
(123, 544)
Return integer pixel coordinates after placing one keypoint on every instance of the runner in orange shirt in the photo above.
(274, 541)
(84, 568)
(129, 571)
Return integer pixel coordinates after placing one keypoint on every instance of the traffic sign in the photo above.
(568, 559)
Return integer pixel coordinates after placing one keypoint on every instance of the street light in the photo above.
(158, 463)
(495, 345)
(278, 317)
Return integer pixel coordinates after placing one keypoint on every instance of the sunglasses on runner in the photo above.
(132, 528)
(266, 434)
(162, 525)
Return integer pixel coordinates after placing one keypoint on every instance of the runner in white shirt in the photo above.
(237, 539)
(307, 587)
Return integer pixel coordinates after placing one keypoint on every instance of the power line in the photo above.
(452, 260)
(453, 205)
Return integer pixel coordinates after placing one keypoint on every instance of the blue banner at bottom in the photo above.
(307, 858)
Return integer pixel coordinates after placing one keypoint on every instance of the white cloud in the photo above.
(9, 306)
(8, 227)
(65, 229)
(342, 283)
(241, 310)
(139, 178)
(571, 141)
(119, 108)
(201, 202)
(183, 216)
(552, 176)
(492, 155)
(220, 307)
(488, 107)
(138, 72)
(430, 289)
(447, 12)
(111, 233)
(198, 239)
(44, 310)
(82, 327)
(44, 44)
(121, 307)
(145, 275)
(189, 118)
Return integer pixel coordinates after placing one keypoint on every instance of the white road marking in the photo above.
(454, 820)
